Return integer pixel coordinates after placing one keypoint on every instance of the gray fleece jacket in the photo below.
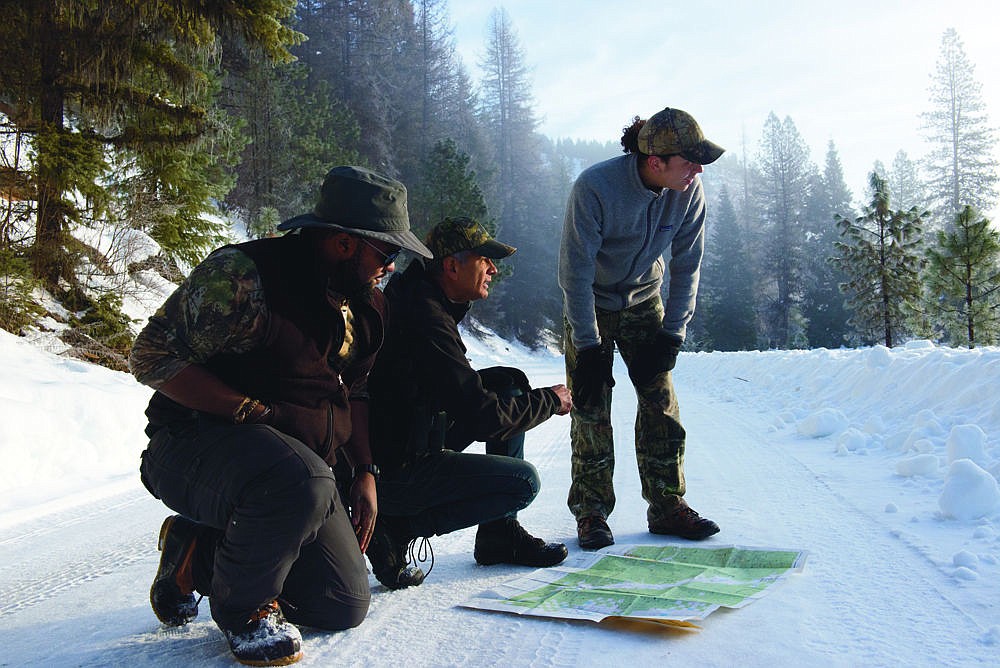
(613, 241)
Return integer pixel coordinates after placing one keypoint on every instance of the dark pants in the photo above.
(446, 490)
(274, 525)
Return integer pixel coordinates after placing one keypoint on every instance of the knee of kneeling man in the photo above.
(317, 493)
(340, 617)
(531, 477)
(353, 617)
(311, 499)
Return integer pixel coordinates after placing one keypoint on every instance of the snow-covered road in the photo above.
(74, 583)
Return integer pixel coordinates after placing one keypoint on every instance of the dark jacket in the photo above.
(422, 370)
(295, 369)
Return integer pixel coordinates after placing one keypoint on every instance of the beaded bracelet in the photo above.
(244, 410)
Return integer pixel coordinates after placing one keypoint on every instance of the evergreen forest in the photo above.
(197, 122)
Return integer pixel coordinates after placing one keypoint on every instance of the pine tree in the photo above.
(441, 106)
(582, 153)
(528, 191)
(124, 85)
(453, 191)
(963, 280)
(533, 301)
(881, 255)
(17, 281)
(726, 298)
(436, 69)
(786, 172)
(507, 110)
(962, 165)
(296, 131)
(905, 184)
(823, 305)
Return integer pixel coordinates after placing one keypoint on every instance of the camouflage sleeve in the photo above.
(219, 308)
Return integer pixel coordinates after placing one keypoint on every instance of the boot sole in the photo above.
(557, 558)
(596, 544)
(283, 661)
(700, 535)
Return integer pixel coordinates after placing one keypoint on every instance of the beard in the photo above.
(345, 278)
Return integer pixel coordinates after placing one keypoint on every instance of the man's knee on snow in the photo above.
(339, 613)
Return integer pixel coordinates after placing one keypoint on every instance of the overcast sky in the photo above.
(853, 71)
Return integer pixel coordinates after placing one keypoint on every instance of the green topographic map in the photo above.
(657, 582)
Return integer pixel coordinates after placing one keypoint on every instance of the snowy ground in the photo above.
(881, 464)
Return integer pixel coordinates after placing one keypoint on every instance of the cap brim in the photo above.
(705, 153)
(494, 250)
(402, 238)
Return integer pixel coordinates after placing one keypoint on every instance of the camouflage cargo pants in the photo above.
(659, 436)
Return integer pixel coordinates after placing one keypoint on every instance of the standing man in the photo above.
(259, 361)
(623, 215)
(428, 405)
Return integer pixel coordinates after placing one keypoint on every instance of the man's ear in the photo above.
(344, 245)
(449, 265)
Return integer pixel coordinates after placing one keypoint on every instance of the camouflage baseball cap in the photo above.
(454, 235)
(672, 131)
(362, 202)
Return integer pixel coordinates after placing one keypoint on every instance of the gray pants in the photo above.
(274, 526)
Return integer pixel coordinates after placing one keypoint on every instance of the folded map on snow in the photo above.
(669, 584)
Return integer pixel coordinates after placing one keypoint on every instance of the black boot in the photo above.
(506, 542)
(388, 553)
(172, 594)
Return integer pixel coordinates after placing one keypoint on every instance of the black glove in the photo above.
(592, 373)
(654, 357)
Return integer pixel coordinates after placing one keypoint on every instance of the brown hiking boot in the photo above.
(683, 521)
(593, 532)
(172, 593)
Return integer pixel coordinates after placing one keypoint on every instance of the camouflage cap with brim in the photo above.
(454, 235)
(672, 131)
(359, 201)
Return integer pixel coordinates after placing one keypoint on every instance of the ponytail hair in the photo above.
(630, 135)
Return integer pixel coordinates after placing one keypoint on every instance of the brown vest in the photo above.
(296, 371)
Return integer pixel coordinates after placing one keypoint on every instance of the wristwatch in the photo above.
(370, 468)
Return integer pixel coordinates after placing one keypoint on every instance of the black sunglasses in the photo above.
(388, 258)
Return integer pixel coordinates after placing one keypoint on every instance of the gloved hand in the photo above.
(591, 374)
(654, 357)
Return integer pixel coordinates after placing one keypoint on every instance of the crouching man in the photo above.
(428, 405)
(260, 361)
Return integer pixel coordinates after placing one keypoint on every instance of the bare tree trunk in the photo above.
(969, 319)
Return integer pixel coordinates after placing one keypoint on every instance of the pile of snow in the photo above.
(933, 412)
